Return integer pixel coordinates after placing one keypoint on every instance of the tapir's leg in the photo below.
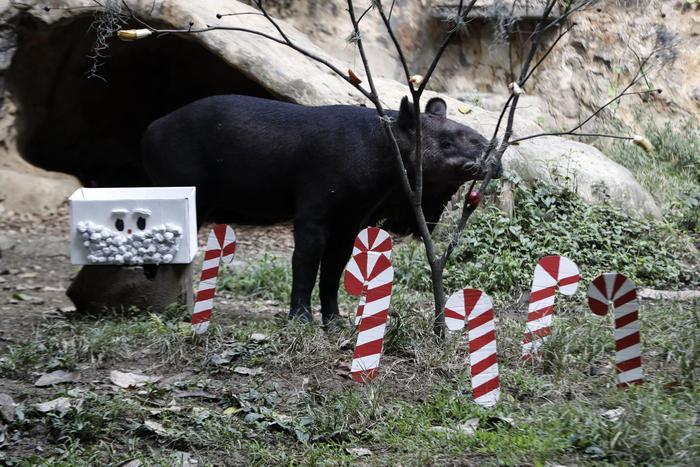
(309, 244)
(333, 263)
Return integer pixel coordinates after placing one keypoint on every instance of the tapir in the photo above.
(329, 169)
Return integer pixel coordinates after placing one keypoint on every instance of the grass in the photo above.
(550, 411)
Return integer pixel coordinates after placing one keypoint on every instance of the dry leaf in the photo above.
(241, 370)
(613, 414)
(156, 427)
(359, 452)
(464, 110)
(257, 337)
(200, 394)
(57, 377)
(354, 79)
(7, 407)
(61, 405)
(130, 380)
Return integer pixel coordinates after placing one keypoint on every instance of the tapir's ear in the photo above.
(406, 119)
(437, 107)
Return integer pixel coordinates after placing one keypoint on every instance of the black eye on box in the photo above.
(141, 223)
(119, 224)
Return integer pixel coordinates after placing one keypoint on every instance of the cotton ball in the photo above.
(128, 256)
(159, 238)
(136, 244)
(157, 258)
(101, 259)
(177, 231)
(147, 242)
(91, 258)
(167, 258)
(96, 237)
(98, 228)
(119, 259)
(169, 236)
(141, 251)
(86, 243)
(106, 251)
(138, 236)
(151, 249)
(82, 227)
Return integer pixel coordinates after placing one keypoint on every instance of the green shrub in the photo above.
(498, 254)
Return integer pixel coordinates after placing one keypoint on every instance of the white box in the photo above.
(133, 226)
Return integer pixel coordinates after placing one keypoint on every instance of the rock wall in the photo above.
(91, 128)
(596, 58)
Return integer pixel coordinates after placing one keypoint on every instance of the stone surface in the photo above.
(97, 288)
(285, 74)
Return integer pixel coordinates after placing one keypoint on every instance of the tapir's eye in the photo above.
(446, 144)
(141, 223)
(119, 224)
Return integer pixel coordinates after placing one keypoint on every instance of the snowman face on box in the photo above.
(132, 226)
(130, 239)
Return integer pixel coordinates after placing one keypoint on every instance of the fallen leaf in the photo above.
(200, 394)
(225, 357)
(463, 109)
(57, 377)
(61, 405)
(129, 380)
(469, 427)
(7, 407)
(359, 452)
(257, 337)
(232, 410)
(132, 463)
(494, 421)
(183, 459)
(48, 288)
(28, 275)
(613, 414)
(156, 427)
(28, 298)
(241, 370)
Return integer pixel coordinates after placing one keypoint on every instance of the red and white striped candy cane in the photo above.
(614, 288)
(221, 244)
(369, 273)
(370, 243)
(477, 308)
(550, 272)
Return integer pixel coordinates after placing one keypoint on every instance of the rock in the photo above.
(96, 288)
(263, 67)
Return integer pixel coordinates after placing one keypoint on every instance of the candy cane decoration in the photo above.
(221, 244)
(614, 288)
(477, 308)
(370, 244)
(369, 274)
(550, 272)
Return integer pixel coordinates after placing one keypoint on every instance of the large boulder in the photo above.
(252, 64)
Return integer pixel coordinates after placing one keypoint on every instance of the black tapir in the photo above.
(329, 169)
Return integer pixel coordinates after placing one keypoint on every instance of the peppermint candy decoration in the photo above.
(550, 272)
(477, 308)
(369, 275)
(221, 245)
(615, 289)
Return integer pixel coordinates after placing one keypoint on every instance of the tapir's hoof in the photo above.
(334, 323)
(303, 316)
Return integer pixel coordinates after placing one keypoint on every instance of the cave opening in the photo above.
(91, 127)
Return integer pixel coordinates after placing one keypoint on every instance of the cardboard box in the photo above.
(133, 226)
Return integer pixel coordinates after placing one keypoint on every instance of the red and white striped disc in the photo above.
(369, 273)
(615, 289)
(221, 244)
(477, 307)
(370, 244)
(550, 272)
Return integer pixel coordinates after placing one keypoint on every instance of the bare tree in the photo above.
(556, 20)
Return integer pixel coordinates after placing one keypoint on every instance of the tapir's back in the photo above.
(254, 160)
